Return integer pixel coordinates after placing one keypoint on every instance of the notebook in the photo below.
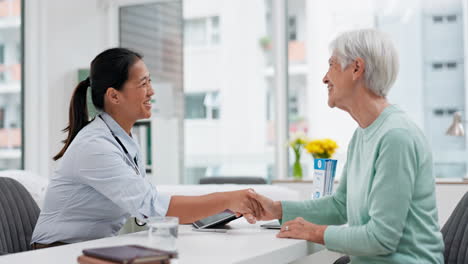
(90, 260)
(129, 254)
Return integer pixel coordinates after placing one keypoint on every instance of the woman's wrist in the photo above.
(318, 234)
(225, 198)
(278, 210)
(232, 199)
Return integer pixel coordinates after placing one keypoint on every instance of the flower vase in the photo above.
(297, 169)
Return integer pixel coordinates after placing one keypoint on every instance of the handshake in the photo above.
(254, 206)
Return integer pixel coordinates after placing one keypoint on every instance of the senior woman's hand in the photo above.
(301, 229)
(241, 203)
(270, 209)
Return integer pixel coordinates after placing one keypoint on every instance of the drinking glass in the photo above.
(163, 231)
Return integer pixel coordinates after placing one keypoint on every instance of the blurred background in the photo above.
(212, 64)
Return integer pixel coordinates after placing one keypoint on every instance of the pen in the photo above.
(210, 230)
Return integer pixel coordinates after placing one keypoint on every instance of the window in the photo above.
(202, 32)
(226, 131)
(18, 52)
(2, 118)
(430, 85)
(431, 82)
(195, 32)
(11, 107)
(292, 28)
(202, 105)
(451, 18)
(295, 103)
(214, 28)
(437, 19)
(2, 62)
(154, 28)
(194, 106)
(194, 174)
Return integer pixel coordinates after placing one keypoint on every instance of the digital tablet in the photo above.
(272, 225)
(216, 220)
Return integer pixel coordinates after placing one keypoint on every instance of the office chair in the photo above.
(343, 260)
(18, 216)
(455, 233)
(232, 180)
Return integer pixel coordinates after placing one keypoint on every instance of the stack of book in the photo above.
(324, 176)
(127, 254)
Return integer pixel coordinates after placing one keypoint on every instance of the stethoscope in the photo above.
(133, 163)
(127, 155)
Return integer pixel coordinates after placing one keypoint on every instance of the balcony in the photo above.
(9, 73)
(10, 138)
(10, 8)
(296, 52)
(296, 58)
(10, 78)
(10, 14)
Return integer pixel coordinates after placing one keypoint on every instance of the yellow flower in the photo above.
(321, 148)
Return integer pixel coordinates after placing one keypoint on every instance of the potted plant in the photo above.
(265, 43)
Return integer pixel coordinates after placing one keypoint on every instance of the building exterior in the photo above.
(10, 84)
(228, 77)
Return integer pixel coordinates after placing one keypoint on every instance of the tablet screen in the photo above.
(215, 220)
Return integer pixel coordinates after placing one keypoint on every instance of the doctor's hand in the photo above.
(271, 209)
(241, 203)
(301, 229)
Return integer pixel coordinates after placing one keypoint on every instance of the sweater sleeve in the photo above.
(389, 200)
(326, 210)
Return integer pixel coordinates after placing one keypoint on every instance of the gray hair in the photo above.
(378, 53)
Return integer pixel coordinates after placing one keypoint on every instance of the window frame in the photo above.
(209, 32)
(208, 108)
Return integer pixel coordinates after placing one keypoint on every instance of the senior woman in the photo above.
(387, 193)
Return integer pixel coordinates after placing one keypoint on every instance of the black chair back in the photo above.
(455, 232)
(18, 216)
(232, 180)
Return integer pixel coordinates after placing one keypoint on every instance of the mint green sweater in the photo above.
(386, 196)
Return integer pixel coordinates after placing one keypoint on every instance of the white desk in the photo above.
(243, 243)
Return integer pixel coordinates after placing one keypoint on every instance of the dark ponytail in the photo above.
(109, 69)
(77, 114)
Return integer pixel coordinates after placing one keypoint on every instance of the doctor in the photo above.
(100, 180)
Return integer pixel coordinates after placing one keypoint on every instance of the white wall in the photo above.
(448, 196)
(61, 37)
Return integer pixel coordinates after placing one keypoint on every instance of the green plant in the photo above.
(265, 42)
(297, 143)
